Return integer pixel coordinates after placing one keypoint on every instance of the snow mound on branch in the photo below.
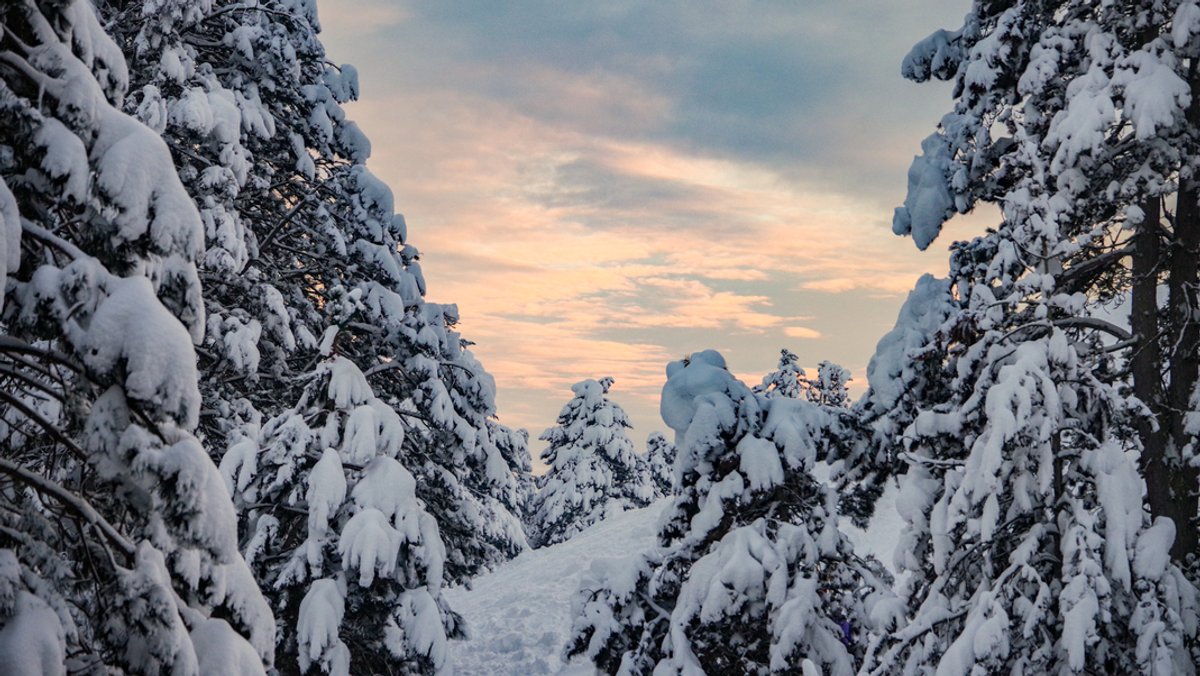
(220, 650)
(929, 203)
(10, 236)
(31, 641)
(132, 331)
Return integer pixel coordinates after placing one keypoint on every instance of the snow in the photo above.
(321, 614)
(326, 492)
(1155, 96)
(928, 203)
(10, 237)
(347, 385)
(132, 333)
(65, 159)
(759, 463)
(370, 544)
(1153, 549)
(31, 641)
(926, 307)
(519, 616)
(221, 650)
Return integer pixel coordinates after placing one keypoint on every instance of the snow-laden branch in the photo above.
(73, 502)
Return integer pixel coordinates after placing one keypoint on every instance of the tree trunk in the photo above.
(1177, 494)
(1146, 360)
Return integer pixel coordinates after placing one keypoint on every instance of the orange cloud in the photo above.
(576, 255)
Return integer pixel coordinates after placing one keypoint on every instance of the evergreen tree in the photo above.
(593, 473)
(305, 250)
(752, 574)
(830, 387)
(908, 365)
(788, 380)
(1092, 111)
(1027, 546)
(118, 543)
(660, 463)
(335, 529)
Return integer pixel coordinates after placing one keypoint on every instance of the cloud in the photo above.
(801, 332)
(604, 187)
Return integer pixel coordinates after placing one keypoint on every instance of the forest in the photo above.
(236, 438)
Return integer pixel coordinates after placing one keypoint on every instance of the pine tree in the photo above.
(1027, 545)
(118, 543)
(909, 364)
(1093, 109)
(788, 380)
(593, 473)
(660, 463)
(305, 249)
(752, 574)
(335, 529)
(830, 388)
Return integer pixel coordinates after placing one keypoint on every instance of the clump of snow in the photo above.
(10, 237)
(929, 203)
(348, 386)
(221, 650)
(321, 614)
(131, 336)
(31, 637)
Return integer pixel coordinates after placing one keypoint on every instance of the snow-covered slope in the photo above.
(520, 615)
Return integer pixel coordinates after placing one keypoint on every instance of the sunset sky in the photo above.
(603, 187)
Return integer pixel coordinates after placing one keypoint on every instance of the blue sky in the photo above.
(603, 187)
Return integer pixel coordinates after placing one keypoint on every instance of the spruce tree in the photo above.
(593, 473)
(1027, 546)
(752, 574)
(660, 463)
(118, 546)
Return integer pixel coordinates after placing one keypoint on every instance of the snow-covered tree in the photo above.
(829, 388)
(660, 463)
(1027, 548)
(909, 364)
(118, 547)
(336, 530)
(787, 380)
(593, 470)
(514, 448)
(307, 256)
(1090, 109)
(752, 574)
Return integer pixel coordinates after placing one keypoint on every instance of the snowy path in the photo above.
(520, 614)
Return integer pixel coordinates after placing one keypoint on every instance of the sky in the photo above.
(604, 187)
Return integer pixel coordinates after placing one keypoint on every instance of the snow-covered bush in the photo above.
(593, 471)
(752, 574)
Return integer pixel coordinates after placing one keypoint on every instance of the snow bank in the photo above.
(519, 616)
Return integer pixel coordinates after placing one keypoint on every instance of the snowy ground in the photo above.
(520, 614)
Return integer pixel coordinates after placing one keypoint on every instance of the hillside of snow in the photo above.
(519, 615)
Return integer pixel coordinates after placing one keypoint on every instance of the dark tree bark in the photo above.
(1171, 484)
